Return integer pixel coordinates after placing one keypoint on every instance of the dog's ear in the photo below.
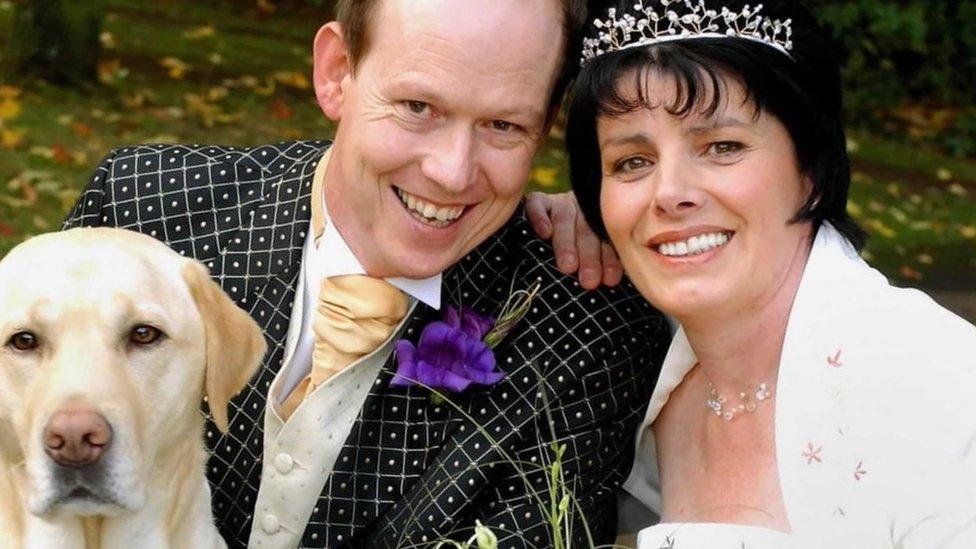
(235, 344)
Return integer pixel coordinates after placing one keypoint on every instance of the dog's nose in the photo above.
(77, 438)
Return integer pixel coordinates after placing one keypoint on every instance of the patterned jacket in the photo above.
(580, 366)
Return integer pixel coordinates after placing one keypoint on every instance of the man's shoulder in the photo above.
(207, 161)
(515, 258)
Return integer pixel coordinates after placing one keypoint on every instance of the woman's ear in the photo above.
(331, 66)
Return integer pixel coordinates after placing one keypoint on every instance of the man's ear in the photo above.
(331, 66)
(235, 344)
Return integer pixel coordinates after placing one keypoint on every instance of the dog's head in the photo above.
(108, 341)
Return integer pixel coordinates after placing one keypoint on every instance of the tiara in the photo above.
(684, 20)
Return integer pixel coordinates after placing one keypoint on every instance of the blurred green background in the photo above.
(78, 78)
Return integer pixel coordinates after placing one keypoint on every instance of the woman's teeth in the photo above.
(427, 212)
(695, 245)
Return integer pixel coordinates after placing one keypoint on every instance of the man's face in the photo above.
(438, 126)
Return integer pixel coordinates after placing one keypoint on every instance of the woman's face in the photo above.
(699, 207)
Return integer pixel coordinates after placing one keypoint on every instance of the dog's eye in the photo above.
(145, 335)
(23, 341)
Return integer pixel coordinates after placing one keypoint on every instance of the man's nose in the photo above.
(77, 438)
(450, 162)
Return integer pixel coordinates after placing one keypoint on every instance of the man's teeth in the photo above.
(428, 212)
(695, 245)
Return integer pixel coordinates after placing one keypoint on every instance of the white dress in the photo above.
(875, 419)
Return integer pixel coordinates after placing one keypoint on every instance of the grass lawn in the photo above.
(182, 71)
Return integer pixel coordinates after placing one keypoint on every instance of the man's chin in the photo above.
(419, 260)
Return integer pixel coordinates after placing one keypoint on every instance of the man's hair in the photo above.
(354, 16)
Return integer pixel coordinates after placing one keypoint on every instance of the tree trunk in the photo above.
(57, 40)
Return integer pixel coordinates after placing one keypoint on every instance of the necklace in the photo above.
(748, 400)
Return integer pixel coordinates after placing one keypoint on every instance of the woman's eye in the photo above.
(724, 148)
(145, 335)
(632, 164)
(24, 341)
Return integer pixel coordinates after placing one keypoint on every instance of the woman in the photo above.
(804, 401)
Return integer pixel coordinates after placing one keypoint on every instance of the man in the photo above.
(440, 105)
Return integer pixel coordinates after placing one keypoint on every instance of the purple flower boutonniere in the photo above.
(456, 352)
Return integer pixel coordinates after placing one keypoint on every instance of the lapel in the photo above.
(259, 269)
(269, 245)
(400, 440)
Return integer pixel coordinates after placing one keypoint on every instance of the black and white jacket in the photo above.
(581, 365)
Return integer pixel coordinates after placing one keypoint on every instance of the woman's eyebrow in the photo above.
(632, 139)
(719, 123)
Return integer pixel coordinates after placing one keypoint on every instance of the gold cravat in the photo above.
(354, 316)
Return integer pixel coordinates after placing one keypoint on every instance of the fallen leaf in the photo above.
(852, 145)
(82, 130)
(208, 113)
(268, 88)
(880, 228)
(138, 98)
(898, 215)
(249, 81)
(957, 190)
(217, 93)
(215, 59)
(969, 231)
(545, 177)
(292, 134)
(12, 138)
(925, 259)
(107, 40)
(25, 184)
(177, 67)
(41, 223)
(60, 154)
(910, 273)
(280, 110)
(943, 174)
(111, 71)
(43, 152)
(10, 106)
(162, 138)
(293, 79)
(199, 33)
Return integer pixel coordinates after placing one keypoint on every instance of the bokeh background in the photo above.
(79, 77)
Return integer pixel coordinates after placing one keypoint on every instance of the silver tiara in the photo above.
(684, 20)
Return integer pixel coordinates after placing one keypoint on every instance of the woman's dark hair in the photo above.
(802, 92)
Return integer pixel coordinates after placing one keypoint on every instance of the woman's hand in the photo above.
(557, 217)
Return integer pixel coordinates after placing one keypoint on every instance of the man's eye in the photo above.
(418, 107)
(24, 341)
(502, 126)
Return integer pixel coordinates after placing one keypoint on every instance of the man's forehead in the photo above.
(532, 27)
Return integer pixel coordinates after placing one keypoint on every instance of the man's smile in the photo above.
(428, 213)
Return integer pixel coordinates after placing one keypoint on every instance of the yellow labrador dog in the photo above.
(108, 342)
